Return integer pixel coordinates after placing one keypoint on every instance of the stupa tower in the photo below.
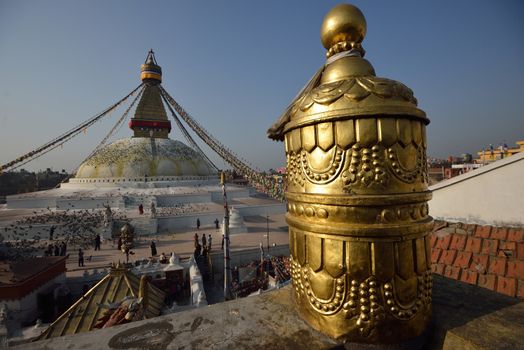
(150, 153)
(150, 119)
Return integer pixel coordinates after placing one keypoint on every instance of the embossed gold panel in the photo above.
(357, 195)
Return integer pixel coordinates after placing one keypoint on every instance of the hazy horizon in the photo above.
(236, 65)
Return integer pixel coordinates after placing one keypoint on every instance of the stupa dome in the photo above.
(138, 157)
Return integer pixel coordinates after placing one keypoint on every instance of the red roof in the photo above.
(18, 278)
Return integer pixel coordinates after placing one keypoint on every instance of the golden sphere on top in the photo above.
(343, 22)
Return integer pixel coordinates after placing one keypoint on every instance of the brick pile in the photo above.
(488, 256)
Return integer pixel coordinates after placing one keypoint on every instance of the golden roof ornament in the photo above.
(346, 84)
(357, 196)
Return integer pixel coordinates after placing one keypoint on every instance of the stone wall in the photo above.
(488, 256)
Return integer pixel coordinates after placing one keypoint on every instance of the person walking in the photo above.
(153, 210)
(141, 209)
(51, 232)
(198, 223)
(216, 224)
(204, 243)
(119, 245)
(222, 242)
(153, 248)
(209, 242)
(97, 242)
(80, 257)
(196, 239)
(198, 249)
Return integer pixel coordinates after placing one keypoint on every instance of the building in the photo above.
(118, 298)
(491, 154)
(28, 288)
(147, 169)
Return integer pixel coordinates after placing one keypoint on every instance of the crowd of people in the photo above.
(34, 234)
(57, 249)
(205, 247)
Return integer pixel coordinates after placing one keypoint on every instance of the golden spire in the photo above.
(150, 119)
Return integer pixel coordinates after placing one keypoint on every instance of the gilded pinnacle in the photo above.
(343, 28)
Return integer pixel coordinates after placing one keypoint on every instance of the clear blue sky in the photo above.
(235, 65)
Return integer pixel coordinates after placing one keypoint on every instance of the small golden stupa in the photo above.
(357, 195)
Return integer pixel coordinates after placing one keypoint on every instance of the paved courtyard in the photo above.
(182, 243)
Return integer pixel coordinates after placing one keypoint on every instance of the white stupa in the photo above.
(236, 222)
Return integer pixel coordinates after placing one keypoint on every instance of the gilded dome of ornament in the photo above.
(137, 157)
(343, 22)
(346, 85)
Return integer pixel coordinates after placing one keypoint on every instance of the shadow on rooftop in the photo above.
(471, 313)
(257, 218)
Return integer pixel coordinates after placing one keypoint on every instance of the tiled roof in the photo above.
(113, 288)
(488, 256)
(12, 272)
(19, 278)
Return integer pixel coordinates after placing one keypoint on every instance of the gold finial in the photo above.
(151, 72)
(343, 28)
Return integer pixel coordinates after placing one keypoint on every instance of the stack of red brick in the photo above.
(487, 256)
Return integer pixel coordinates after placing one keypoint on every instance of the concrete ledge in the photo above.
(469, 317)
(465, 317)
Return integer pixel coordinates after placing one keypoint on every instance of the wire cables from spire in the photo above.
(63, 138)
(115, 127)
(268, 185)
(186, 134)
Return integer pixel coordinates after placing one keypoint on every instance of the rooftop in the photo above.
(464, 316)
(91, 311)
(16, 272)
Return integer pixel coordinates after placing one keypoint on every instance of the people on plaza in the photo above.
(51, 232)
(198, 248)
(196, 239)
(153, 210)
(198, 223)
(223, 237)
(80, 257)
(97, 242)
(204, 240)
(119, 245)
(56, 250)
(63, 248)
(141, 209)
(209, 242)
(153, 248)
(163, 258)
(108, 216)
(216, 224)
